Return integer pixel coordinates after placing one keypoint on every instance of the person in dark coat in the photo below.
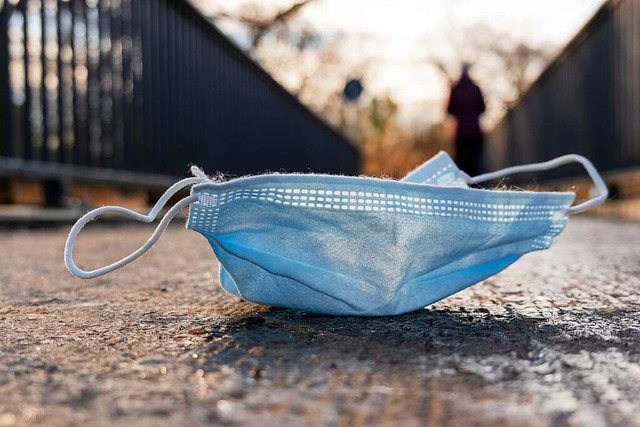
(466, 104)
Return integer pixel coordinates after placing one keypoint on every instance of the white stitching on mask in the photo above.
(288, 196)
(204, 213)
(544, 241)
(205, 218)
(438, 173)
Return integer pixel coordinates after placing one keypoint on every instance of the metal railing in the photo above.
(586, 102)
(136, 90)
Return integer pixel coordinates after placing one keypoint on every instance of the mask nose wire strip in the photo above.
(599, 183)
(150, 217)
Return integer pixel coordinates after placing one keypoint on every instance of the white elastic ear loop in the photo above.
(599, 183)
(75, 230)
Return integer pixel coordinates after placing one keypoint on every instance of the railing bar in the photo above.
(6, 109)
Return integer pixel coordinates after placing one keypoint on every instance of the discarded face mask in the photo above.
(360, 246)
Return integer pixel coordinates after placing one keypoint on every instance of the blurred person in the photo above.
(466, 104)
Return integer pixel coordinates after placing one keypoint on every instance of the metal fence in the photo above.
(587, 101)
(136, 90)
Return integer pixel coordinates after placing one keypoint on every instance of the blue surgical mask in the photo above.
(361, 246)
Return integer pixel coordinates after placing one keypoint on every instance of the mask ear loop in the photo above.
(150, 217)
(599, 183)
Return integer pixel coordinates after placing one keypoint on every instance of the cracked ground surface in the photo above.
(553, 340)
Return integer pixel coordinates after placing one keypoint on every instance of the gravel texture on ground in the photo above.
(553, 340)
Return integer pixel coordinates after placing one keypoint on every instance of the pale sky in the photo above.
(407, 20)
(398, 33)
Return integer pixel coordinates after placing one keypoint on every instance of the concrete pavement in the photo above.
(553, 340)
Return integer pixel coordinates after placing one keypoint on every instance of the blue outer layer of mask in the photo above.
(368, 247)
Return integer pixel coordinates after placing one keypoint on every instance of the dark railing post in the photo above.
(78, 66)
(137, 84)
(149, 81)
(27, 142)
(126, 110)
(104, 83)
(62, 75)
(43, 150)
(117, 81)
(5, 89)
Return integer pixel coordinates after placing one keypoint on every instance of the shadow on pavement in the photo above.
(280, 338)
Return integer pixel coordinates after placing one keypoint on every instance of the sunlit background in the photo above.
(407, 53)
(404, 50)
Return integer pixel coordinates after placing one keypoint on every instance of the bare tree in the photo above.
(261, 21)
(522, 62)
